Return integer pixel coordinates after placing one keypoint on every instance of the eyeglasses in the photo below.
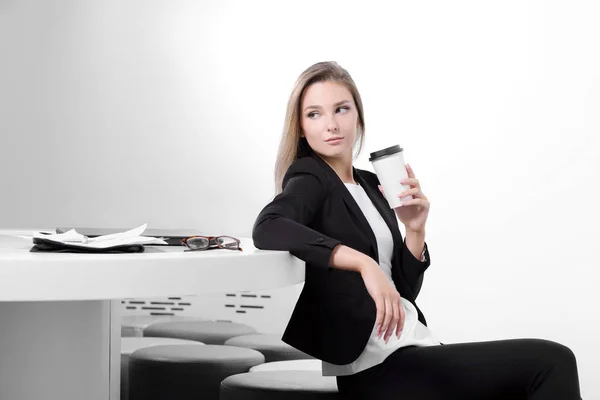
(211, 242)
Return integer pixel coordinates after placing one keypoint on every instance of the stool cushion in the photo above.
(279, 385)
(131, 344)
(209, 332)
(182, 372)
(290, 365)
(134, 325)
(270, 345)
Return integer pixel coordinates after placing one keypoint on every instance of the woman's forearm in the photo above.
(344, 257)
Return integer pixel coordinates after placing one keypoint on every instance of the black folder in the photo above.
(47, 245)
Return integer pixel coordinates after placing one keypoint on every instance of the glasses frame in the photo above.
(212, 240)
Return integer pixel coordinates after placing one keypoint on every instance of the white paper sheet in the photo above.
(72, 237)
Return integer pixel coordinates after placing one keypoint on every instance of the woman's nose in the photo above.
(332, 125)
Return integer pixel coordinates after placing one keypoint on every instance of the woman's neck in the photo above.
(342, 167)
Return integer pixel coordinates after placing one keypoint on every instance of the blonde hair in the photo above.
(292, 145)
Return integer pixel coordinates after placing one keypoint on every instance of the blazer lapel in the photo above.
(351, 203)
(388, 215)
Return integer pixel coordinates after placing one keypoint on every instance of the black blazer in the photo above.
(334, 315)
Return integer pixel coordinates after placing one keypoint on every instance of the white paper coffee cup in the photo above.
(390, 168)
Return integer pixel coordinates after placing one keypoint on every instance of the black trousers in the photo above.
(533, 369)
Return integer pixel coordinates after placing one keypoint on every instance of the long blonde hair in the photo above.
(292, 145)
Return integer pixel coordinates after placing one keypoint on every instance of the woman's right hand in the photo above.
(390, 313)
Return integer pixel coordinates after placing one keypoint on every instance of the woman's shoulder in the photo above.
(306, 168)
(304, 164)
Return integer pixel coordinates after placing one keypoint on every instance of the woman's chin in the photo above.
(334, 153)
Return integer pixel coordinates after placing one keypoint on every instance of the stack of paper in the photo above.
(73, 238)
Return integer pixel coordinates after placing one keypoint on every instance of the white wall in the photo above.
(116, 113)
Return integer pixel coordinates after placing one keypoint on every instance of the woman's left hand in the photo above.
(413, 213)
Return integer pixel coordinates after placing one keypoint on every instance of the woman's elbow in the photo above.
(260, 234)
(272, 232)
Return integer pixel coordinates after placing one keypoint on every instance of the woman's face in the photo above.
(329, 119)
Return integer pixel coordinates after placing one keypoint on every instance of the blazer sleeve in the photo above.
(413, 268)
(282, 224)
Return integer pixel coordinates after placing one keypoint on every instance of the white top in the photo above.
(160, 271)
(414, 333)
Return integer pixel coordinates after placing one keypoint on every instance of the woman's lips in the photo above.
(334, 140)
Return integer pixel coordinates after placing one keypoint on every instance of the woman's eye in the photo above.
(313, 114)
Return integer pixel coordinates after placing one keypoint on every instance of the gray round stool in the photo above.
(209, 332)
(186, 372)
(270, 345)
(279, 385)
(131, 344)
(134, 325)
(290, 365)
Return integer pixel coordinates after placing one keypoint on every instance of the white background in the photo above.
(116, 113)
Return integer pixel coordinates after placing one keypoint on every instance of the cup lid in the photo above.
(385, 152)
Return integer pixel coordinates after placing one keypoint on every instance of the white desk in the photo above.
(60, 313)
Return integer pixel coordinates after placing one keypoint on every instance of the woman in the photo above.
(357, 311)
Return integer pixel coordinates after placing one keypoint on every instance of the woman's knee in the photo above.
(552, 352)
